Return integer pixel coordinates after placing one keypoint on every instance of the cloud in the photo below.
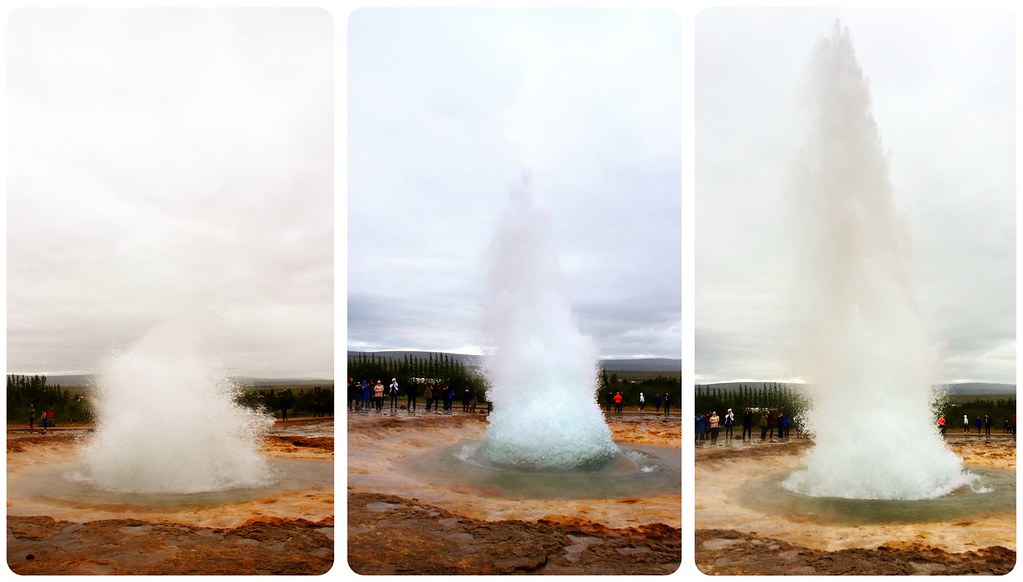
(943, 98)
(166, 162)
(447, 108)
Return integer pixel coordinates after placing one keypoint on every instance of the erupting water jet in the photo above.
(167, 422)
(542, 371)
(863, 348)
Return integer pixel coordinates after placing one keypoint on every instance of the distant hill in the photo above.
(70, 380)
(81, 380)
(981, 389)
(642, 365)
(610, 364)
(960, 389)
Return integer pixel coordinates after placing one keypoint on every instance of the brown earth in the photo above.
(41, 545)
(428, 540)
(730, 552)
(735, 540)
(282, 532)
(429, 529)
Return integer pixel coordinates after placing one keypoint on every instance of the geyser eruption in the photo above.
(167, 422)
(543, 371)
(863, 348)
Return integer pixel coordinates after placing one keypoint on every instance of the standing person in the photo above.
(392, 393)
(941, 424)
(667, 404)
(618, 402)
(966, 423)
(367, 394)
(977, 422)
(351, 393)
(31, 417)
(642, 401)
(715, 422)
(657, 402)
(763, 424)
(747, 424)
(428, 394)
(610, 399)
(701, 422)
(987, 425)
(729, 423)
(52, 421)
(465, 400)
(772, 422)
(378, 395)
(410, 398)
(449, 397)
(437, 396)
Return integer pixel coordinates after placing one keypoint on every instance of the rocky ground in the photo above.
(734, 540)
(282, 532)
(397, 525)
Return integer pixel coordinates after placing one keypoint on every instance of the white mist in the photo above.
(543, 372)
(167, 421)
(863, 348)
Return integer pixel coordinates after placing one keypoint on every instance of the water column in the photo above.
(167, 422)
(543, 372)
(862, 345)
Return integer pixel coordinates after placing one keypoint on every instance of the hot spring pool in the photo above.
(61, 484)
(991, 492)
(635, 471)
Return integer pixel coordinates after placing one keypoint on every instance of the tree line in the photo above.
(25, 391)
(609, 384)
(315, 401)
(769, 395)
(417, 371)
(75, 406)
(999, 409)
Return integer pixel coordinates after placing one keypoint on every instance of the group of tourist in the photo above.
(709, 425)
(46, 419)
(616, 400)
(364, 396)
(1009, 426)
(980, 423)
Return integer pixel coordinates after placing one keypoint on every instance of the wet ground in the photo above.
(432, 528)
(285, 530)
(735, 539)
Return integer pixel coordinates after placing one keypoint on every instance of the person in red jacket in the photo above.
(941, 424)
(618, 402)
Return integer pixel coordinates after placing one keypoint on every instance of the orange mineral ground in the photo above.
(452, 529)
(732, 538)
(286, 529)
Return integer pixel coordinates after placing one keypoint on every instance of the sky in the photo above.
(449, 108)
(169, 167)
(943, 88)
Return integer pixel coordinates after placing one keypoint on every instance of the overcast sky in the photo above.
(449, 107)
(168, 165)
(943, 88)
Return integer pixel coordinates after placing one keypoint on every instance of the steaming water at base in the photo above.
(635, 471)
(862, 348)
(68, 485)
(167, 422)
(985, 492)
(543, 371)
